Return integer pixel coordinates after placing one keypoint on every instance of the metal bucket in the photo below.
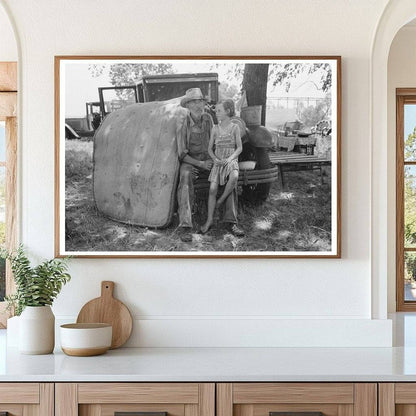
(251, 115)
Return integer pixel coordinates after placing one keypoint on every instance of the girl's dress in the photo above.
(225, 145)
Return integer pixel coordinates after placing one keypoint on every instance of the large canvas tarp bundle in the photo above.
(136, 163)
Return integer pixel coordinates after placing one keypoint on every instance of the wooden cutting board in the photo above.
(107, 309)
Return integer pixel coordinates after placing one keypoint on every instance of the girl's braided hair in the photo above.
(229, 107)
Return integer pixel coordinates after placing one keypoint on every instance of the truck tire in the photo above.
(258, 193)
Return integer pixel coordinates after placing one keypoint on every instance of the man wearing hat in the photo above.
(194, 157)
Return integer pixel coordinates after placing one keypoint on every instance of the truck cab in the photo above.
(159, 88)
(166, 87)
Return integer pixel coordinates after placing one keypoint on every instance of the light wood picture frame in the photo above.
(131, 170)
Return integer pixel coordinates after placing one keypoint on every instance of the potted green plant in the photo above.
(36, 289)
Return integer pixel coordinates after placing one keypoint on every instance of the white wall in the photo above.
(401, 74)
(8, 47)
(176, 301)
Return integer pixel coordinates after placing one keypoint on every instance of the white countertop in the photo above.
(222, 364)
(213, 364)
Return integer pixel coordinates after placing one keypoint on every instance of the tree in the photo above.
(283, 74)
(410, 207)
(410, 191)
(410, 146)
(313, 114)
(255, 78)
(255, 85)
(226, 90)
(129, 74)
(410, 266)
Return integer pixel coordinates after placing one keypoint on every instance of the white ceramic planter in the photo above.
(37, 330)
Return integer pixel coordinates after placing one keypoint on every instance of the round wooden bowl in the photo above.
(84, 340)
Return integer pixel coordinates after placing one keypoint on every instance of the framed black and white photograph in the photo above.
(196, 156)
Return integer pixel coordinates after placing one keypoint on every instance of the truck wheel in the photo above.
(256, 193)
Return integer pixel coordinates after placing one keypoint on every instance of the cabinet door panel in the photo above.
(66, 399)
(12, 409)
(265, 409)
(31, 410)
(331, 399)
(90, 410)
(346, 410)
(191, 410)
(110, 409)
(386, 399)
(19, 393)
(104, 399)
(171, 410)
(27, 399)
(206, 399)
(405, 393)
(405, 410)
(293, 393)
(365, 399)
(138, 393)
(224, 399)
(397, 399)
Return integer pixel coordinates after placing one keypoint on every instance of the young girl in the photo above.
(225, 137)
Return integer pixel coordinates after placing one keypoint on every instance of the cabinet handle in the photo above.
(138, 414)
(296, 414)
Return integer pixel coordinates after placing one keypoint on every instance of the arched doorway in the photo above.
(396, 14)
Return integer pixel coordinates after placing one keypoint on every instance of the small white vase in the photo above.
(37, 330)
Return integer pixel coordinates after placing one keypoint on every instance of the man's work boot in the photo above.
(185, 234)
(236, 230)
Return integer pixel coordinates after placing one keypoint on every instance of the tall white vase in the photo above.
(37, 330)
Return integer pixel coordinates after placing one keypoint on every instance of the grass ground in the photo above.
(297, 219)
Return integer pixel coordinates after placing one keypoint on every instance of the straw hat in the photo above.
(192, 94)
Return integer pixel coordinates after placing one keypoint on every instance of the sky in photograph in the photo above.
(82, 87)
